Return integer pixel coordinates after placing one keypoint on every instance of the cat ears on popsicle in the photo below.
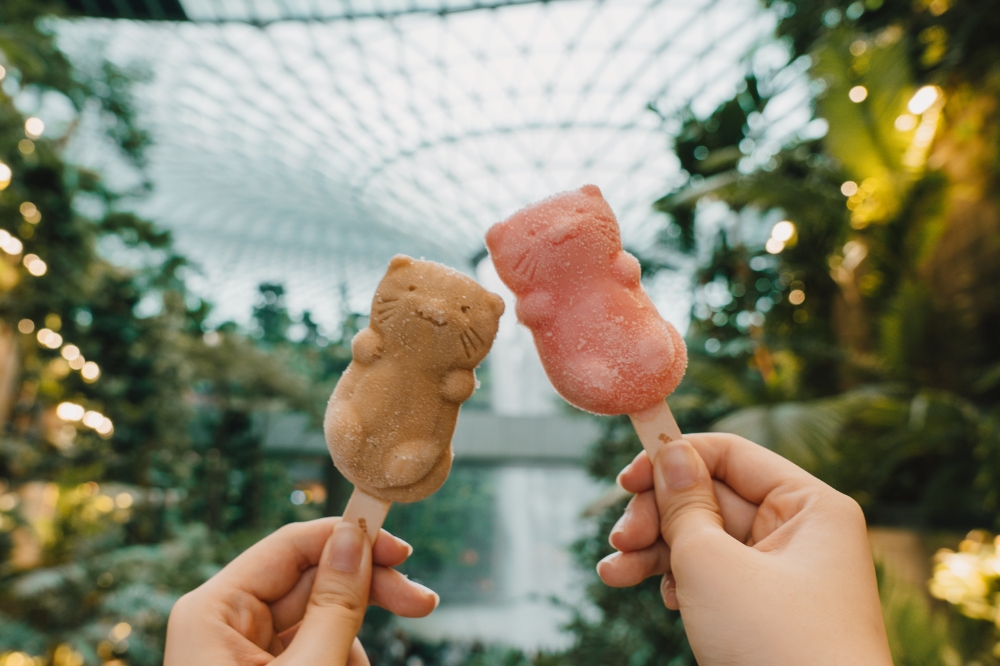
(400, 261)
(496, 303)
(591, 190)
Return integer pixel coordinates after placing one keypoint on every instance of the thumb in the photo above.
(338, 602)
(685, 496)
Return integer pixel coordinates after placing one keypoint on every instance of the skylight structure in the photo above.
(307, 141)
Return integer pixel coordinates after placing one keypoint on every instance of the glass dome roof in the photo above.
(306, 142)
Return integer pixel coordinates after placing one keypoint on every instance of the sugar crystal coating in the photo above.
(603, 345)
(390, 419)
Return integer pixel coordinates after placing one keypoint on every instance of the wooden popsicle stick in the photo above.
(656, 427)
(367, 512)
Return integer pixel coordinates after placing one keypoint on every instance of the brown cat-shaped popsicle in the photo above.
(391, 417)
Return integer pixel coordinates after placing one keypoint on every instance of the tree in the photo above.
(846, 313)
(127, 472)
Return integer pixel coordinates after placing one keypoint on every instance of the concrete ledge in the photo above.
(487, 437)
(480, 436)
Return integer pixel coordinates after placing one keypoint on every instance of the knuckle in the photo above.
(286, 531)
(681, 506)
(849, 508)
(332, 596)
(184, 604)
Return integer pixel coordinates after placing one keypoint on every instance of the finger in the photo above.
(685, 496)
(628, 569)
(637, 477)
(391, 590)
(272, 567)
(358, 655)
(338, 601)
(748, 468)
(389, 550)
(398, 594)
(639, 526)
(668, 590)
(287, 635)
(289, 609)
(737, 513)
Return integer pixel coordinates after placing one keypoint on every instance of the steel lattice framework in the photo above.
(307, 141)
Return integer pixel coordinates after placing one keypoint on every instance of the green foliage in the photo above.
(944, 38)
(877, 381)
(100, 533)
(863, 346)
(452, 531)
(918, 636)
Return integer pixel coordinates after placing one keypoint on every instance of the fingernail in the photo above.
(619, 526)
(618, 479)
(409, 548)
(347, 547)
(608, 558)
(437, 597)
(680, 466)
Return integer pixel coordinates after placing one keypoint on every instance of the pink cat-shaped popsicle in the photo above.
(602, 343)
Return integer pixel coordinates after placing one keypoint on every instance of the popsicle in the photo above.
(602, 342)
(391, 417)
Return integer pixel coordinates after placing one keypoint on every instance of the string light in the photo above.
(106, 427)
(5, 175)
(73, 413)
(783, 231)
(49, 338)
(858, 94)
(35, 265)
(34, 127)
(18, 659)
(70, 411)
(10, 245)
(30, 212)
(66, 656)
(923, 99)
(849, 188)
(120, 631)
(916, 153)
(906, 122)
(93, 419)
(90, 371)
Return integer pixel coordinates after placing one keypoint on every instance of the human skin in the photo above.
(767, 564)
(296, 597)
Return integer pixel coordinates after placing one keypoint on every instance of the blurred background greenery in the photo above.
(846, 314)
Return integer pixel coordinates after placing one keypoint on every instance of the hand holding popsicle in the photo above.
(602, 343)
(767, 564)
(391, 417)
(296, 597)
